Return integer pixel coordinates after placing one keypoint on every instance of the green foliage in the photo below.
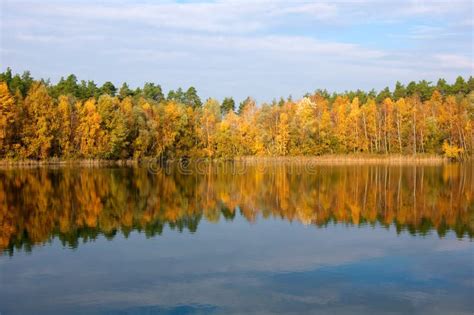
(87, 90)
(176, 96)
(460, 86)
(108, 88)
(452, 152)
(228, 105)
(192, 99)
(245, 103)
(399, 92)
(153, 92)
(16, 83)
(385, 93)
(125, 91)
(442, 86)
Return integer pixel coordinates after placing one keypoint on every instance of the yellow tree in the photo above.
(90, 136)
(173, 117)
(388, 126)
(227, 136)
(123, 126)
(41, 122)
(187, 140)
(431, 134)
(65, 130)
(340, 116)
(325, 132)
(402, 122)
(146, 131)
(415, 107)
(283, 135)
(352, 132)
(248, 128)
(8, 116)
(208, 121)
(324, 127)
(369, 123)
(304, 127)
(266, 122)
(464, 124)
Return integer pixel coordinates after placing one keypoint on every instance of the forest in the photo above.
(81, 120)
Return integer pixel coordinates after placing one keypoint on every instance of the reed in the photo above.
(336, 159)
(70, 162)
(329, 159)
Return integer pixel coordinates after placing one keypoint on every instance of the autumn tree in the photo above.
(90, 136)
(283, 135)
(340, 109)
(65, 131)
(147, 125)
(8, 118)
(209, 119)
(41, 123)
(228, 138)
(114, 125)
(369, 125)
(304, 128)
(78, 119)
(353, 129)
(248, 130)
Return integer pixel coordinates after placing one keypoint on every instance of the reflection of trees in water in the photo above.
(78, 204)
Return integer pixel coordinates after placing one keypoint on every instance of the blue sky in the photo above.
(260, 48)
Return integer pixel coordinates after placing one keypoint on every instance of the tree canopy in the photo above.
(72, 119)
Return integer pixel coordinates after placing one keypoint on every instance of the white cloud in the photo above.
(263, 48)
(238, 16)
(54, 39)
(319, 10)
(147, 55)
(455, 61)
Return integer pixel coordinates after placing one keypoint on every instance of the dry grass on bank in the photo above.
(335, 159)
(349, 159)
(59, 162)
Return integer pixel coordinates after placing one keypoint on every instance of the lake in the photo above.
(232, 239)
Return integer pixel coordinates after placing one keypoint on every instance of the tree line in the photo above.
(80, 120)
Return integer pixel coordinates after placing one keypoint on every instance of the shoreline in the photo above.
(329, 159)
(73, 162)
(350, 159)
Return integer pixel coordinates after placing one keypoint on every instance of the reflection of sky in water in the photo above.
(268, 267)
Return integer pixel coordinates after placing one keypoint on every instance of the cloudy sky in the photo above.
(261, 48)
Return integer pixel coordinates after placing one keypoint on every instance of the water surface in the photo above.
(273, 239)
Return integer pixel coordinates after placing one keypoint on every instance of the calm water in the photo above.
(275, 239)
